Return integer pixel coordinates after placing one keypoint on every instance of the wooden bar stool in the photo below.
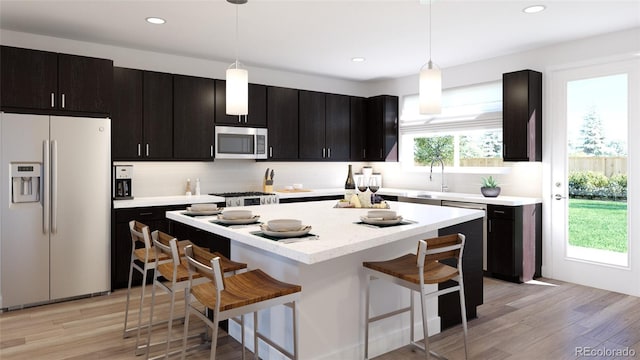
(236, 295)
(415, 272)
(173, 277)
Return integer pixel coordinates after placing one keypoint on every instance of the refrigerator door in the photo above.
(80, 206)
(24, 233)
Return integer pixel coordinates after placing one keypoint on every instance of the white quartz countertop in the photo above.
(338, 233)
(411, 193)
(166, 200)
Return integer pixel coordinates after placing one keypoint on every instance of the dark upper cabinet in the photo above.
(337, 127)
(381, 128)
(157, 121)
(522, 116)
(126, 115)
(358, 150)
(142, 117)
(282, 120)
(257, 116)
(312, 125)
(324, 126)
(193, 117)
(46, 82)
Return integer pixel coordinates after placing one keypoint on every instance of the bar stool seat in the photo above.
(236, 295)
(415, 272)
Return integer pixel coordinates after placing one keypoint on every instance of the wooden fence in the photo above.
(601, 164)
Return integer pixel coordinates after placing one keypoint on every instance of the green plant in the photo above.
(489, 182)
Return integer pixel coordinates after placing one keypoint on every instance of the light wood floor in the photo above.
(522, 321)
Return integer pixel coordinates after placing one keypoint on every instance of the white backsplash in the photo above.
(169, 178)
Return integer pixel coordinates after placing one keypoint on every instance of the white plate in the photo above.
(379, 221)
(202, 213)
(285, 234)
(250, 220)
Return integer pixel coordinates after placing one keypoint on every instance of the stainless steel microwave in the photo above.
(240, 143)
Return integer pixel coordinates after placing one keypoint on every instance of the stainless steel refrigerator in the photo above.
(55, 208)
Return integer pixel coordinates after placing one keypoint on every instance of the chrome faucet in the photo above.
(443, 187)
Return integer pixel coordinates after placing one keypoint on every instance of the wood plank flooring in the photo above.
(517, 321)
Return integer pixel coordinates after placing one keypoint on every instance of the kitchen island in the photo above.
(329, 269)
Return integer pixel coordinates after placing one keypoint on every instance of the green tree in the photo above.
(427, 149)
(491, 144)
(592, 135)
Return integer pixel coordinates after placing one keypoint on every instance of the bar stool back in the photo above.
(236, 295)
(415, 272)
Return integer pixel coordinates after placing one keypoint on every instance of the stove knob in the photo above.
(269, 199)
(229, 203)
(237, 202)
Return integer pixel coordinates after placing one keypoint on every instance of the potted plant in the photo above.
(490, 187)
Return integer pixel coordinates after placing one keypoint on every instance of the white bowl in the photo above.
(382, 214)
(297, 186)
(236, 214)
(284, 224)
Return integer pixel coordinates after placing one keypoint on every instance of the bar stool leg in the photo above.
(143, 287)
(153, 302)
(425, 325)
(255, 336)
(463, 313)
(411, 315)
(187, 304)
(126, 311)
(366, 328)
(295, 331)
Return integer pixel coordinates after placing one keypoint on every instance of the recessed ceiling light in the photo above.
(358, 59)
(534, 9)
(156, 20)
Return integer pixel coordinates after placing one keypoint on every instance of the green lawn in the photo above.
(598, 224)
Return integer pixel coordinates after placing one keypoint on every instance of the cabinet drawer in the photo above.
(145, 213)
(501, 212)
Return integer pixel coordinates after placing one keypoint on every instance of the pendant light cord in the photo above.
(430, 2)
(237, 36)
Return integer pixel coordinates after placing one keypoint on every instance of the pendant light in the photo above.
(430, 89)
(237, 79)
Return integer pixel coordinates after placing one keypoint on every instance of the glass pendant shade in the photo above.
(430, 89)
(237, 91)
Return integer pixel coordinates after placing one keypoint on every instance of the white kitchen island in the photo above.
(329, 269)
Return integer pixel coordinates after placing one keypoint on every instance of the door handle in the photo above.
(45, 180)
(559, 197)
(54, 186)
(329, 152)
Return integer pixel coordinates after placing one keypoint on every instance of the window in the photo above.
(468, 133)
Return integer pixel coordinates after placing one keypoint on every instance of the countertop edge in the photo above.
(166, 200)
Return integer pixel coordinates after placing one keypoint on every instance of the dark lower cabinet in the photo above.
(449, 304)
(514, 242)
(155, 218)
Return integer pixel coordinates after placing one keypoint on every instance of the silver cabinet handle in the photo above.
(364, 153)
(63, 101)
(53, 100)
(139, 149)
(498, 211)
(246, 118)
(489, 225)
(45, 196)
(380, 153)
(559, 197)
(147, 149)
(323, 152)
(329, 153)
(211, 151)
(270, 151)
(239, 119)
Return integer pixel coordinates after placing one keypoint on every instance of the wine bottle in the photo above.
(349, 185)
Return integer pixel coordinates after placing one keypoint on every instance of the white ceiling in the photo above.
(321, 37)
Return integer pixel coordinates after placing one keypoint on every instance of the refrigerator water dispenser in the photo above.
(25, 182)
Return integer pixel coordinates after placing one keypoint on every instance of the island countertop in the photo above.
(336, 228)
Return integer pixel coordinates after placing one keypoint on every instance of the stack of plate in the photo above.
(237, 217)
(203, 209)
(285, 228)
(381, 217)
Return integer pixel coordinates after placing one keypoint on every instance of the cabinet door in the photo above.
(257, 106)
(158, 115)
(126, 117)
(282, 120)
(373, 125)
(390, 128)
(85, 84)
(194, 111)
(522, 116)
(29, 78)
(337, 127)
(501, 245)
(312, 125)
(358, 129)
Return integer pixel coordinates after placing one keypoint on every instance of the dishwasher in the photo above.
(474, 206)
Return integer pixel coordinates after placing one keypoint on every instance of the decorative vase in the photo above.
(490, 191)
